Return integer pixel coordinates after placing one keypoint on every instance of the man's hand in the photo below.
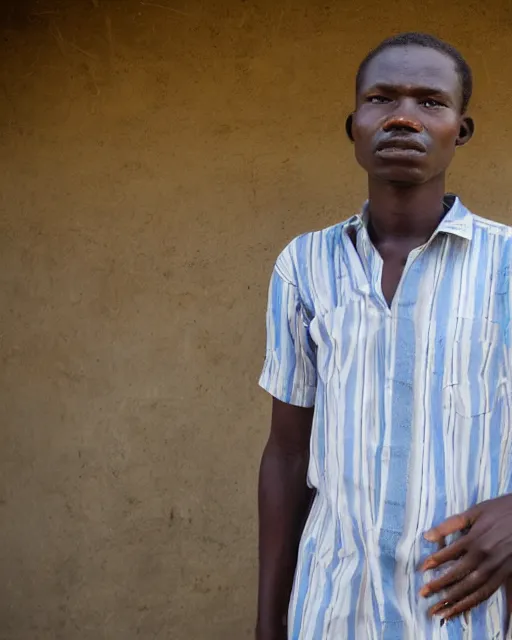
(483, 555)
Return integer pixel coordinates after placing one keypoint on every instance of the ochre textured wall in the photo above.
(155, 158)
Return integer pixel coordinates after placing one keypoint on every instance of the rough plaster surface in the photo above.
(155, 157)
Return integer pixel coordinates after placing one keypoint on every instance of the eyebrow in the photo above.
(416, 90)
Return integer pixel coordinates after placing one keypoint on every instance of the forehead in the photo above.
(412, 66)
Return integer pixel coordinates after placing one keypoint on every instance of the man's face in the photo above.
(408, 118)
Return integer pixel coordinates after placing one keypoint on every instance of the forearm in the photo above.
(284, 501)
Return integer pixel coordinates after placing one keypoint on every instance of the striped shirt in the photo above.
(411, 423)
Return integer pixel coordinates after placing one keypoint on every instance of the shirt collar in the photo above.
(458, 220)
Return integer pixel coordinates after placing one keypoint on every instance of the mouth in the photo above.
(397, 147)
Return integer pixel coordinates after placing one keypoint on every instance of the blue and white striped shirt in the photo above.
(412, 417)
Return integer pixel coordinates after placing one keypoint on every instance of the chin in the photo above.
(398, 173)
(402, 176)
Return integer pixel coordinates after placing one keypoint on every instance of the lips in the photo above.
(400, 146)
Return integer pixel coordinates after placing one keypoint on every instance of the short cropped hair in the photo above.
(430, 42)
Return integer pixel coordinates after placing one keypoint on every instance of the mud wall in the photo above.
(155, 157)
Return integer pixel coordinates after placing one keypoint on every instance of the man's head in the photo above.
(412, 93)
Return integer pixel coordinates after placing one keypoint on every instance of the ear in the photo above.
(467, 129)
(348, 127)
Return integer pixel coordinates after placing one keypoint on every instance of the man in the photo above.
(384, 485)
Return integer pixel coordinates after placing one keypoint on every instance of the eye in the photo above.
(430, 103)
(377, 100)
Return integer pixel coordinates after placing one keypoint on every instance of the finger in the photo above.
(460, 590)
(452, 552)
(457, 573)
(473, 600)
(450, 526)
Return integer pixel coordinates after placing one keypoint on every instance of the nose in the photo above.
(403, 119)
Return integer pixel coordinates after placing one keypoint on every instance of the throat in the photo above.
(406, 212)
(394, 237)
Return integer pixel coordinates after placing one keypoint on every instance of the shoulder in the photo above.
(309, 252)
(492, 241)
(486, 227)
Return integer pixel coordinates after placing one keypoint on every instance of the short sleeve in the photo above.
(289, 372)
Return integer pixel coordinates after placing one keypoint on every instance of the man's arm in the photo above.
(284, 502)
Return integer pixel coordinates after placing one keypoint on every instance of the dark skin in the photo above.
(284, 501)
(406, 127)
(483, 555)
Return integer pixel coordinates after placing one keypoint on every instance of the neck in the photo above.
(405, 212)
